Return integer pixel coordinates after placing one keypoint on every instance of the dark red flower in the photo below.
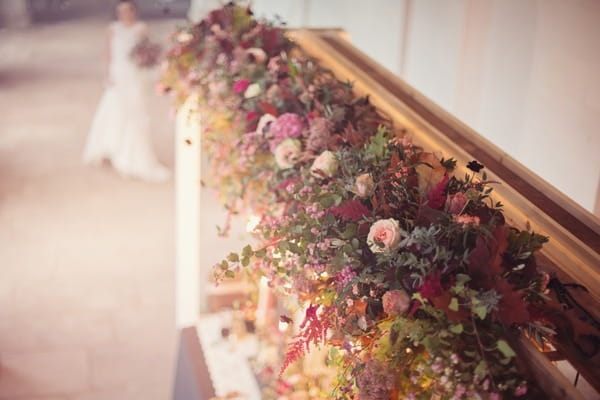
(474, 166)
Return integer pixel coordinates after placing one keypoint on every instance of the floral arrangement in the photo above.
(146, 54)
(407, 272)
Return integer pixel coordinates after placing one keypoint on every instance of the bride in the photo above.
(120, 131)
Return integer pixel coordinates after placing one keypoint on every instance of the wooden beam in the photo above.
(529, 201)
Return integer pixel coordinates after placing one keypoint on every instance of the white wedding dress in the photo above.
(120, 130)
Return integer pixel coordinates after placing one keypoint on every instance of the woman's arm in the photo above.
(107, 54)
(144, 32)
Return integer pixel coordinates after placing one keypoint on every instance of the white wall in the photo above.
(523, 73)
(374, 25)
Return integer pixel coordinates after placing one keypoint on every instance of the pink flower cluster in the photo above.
(344, 277)
(288, 125)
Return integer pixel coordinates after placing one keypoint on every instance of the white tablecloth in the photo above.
(227, 360)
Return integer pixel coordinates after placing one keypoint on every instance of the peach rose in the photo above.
(466, 219)
(455, 204)
(384, 236)
(287, 153)
(325, 165)
(395, 302)
(364, 185)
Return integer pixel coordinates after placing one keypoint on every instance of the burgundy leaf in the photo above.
(351, 210)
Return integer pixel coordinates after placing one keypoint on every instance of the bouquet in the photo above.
(146, 54)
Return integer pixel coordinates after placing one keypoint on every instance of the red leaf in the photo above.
(351, 210)
(432, 286)
(436, 197)
(394, 161)
(485, 260)
(312, 330)
(512, 309)
(268, 108)
(295, 351)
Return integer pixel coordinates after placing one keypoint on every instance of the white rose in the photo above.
(384, 236)
(287, 153)
(364, 185)
(258, 54)
(264, 122)
(325, 165)
(252, 91)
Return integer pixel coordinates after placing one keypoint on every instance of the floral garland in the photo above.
(410, 274)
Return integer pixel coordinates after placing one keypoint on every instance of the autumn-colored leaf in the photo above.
(485, 260)
(268, 108)
(443, 303)
(394, 161)
(430, 172)
(352, 136)
(512, 309)
(358, 308)
(351, 210)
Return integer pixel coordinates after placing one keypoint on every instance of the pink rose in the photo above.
(241, 85)
(396, 302)
(455, 204)
(287, 153)
(319, 134)
(384, 236)
(324, 166)
(288, 125)
(466, 219)
(364, 185)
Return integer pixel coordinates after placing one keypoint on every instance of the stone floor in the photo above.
(86, 257)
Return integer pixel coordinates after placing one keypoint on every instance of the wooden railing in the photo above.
(573, 252)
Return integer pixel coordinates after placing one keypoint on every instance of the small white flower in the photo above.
(252, 90)
(325, 165)
(184, 37)
(264, 122)
(258, 54)
(287, 153)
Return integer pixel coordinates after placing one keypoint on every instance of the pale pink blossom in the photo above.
(396, 302)
(287, 153)
(466, 219)
(384, 236)
(455, 204)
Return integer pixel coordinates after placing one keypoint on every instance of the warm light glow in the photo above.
(252, 224)
(283, 326)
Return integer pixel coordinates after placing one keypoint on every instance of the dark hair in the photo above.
(132, 2)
